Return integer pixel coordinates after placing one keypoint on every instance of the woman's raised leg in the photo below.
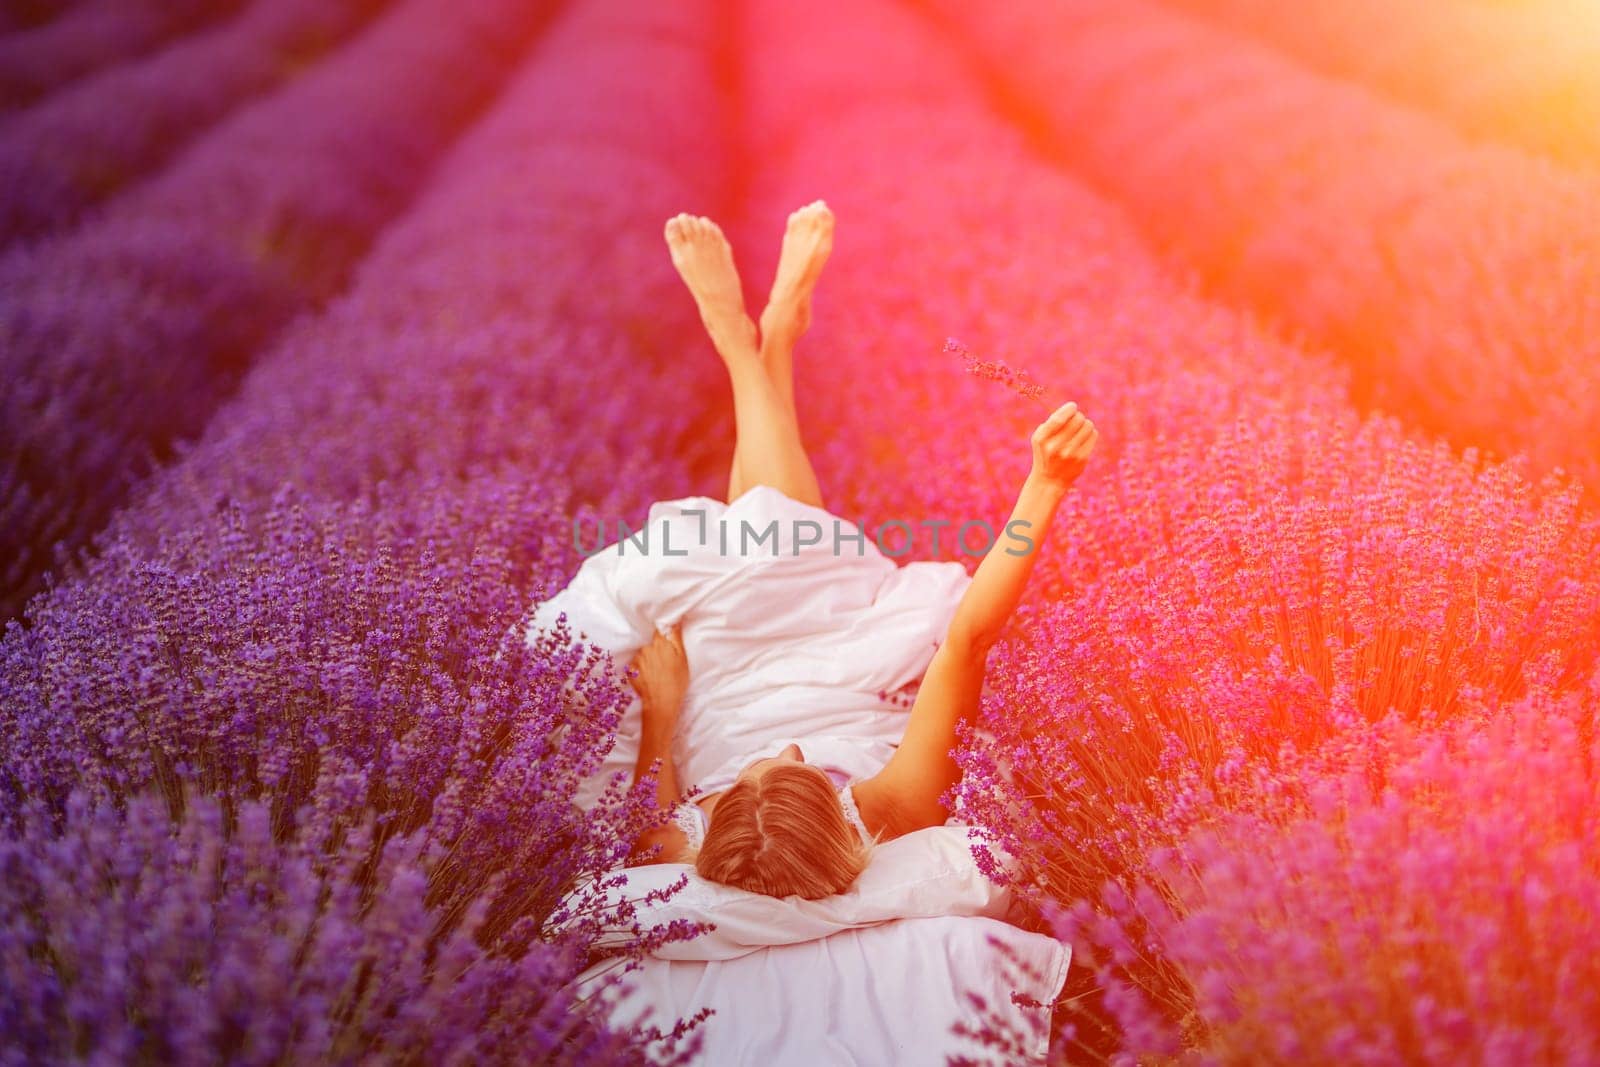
(768, 450)
(777, 456)
(807, 242)
(704, 260)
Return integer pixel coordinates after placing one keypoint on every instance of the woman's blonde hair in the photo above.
(783, 833)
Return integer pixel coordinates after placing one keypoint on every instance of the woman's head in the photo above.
(780, 830)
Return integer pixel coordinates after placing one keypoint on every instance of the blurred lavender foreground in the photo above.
(292, 646)
(124, 335)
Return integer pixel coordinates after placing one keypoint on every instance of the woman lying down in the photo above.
(782, 827)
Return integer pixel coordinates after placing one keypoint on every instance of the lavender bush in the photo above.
(100, 133)
(1440, 910)
(124, 938)
(372, 787)
(126, 334)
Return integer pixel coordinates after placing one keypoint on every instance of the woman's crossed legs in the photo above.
(767, 449)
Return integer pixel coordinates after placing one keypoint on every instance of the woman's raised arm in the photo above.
(904, 796)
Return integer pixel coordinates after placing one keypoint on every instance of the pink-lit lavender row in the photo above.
(1259, 608)
(1458, 280)
(1524, 74)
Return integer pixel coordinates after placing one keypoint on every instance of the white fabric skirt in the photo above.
(792, 626)
(886, 994)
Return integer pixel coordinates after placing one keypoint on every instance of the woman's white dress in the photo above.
(793, 626)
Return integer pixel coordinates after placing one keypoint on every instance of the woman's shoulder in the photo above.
(852, 813)
(692, 819)
(880, 815)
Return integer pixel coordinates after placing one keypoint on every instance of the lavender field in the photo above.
(322, 323)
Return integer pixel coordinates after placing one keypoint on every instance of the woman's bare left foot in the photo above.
(705, 261)
(807, 242)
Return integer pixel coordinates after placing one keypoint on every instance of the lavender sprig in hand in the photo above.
(997, 370)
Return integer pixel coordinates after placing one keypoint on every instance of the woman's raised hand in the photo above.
(660, 675)
(1061, 445)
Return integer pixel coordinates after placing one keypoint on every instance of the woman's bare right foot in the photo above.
(705, 262)
(807, 241)
(806, 244)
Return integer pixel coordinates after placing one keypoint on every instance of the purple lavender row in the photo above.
(93, 35)
(529, 284)
(98, 134)
(124, 335)
(305, 619)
